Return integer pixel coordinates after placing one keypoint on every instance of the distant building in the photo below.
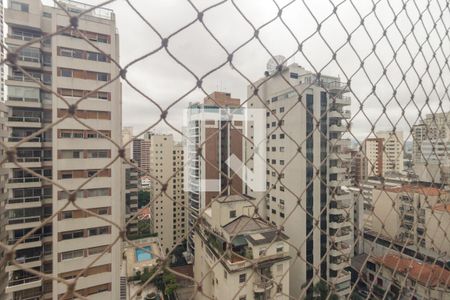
(401, 212)
(168, 210)
(384, 153)
(127, 136)
(141, 155)
(402, 277)
(314, 162)
(238, 256)
(219, 139)
(131, 197)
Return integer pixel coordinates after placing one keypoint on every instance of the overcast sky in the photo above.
(162, 79)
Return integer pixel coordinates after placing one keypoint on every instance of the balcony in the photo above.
(340, 142)
(262, 286)
(337, 155)
(337, 128)
(26, 122)
(340, 249)
(23, 202)
(345, 114)
(16, 285)
(337, 170)
(23, 222)
(22, 80)
(339, 264)
(342, 101)
(25, 262)
(24, 182)
(30, 242)
(339, 182)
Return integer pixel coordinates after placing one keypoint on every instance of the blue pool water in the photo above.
(142, 255)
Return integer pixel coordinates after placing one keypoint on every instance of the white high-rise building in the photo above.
(307, 200)
(69, 153)
(168, 212)
(127, 136)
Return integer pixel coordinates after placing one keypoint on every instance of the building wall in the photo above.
(127, 136)
(282, 206)
(68, 73)
(168, 218)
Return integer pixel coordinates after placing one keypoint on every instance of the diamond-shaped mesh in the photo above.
(392, 61)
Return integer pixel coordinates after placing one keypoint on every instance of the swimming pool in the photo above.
(142, 254)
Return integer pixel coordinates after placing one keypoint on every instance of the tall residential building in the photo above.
(307, 200)
(258, 265)
(373, 152)
(141, 154)
(431, 148)
(3, 198)
(404, 213)
(68, 153)
(384, 153)
(2, 55)
(220, 138)
(131, 176)
(168, 212)
(127, 136)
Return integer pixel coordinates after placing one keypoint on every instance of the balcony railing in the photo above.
(31, 239)
(24, 119)
(21, 220)
(19, 200)
(23, 37)
(27, 259)
(24, 99)
(24, 179)
(14, 282)
(28, 159)
(23, 77)
(20, 138)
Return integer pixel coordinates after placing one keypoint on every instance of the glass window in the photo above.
(19, 6)
(242, 278)
(102, 76)
(66, 73)
(232, 214)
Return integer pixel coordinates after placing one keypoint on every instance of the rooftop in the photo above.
(419, 189)
(442, 207)
(426, 274)
(245, 224)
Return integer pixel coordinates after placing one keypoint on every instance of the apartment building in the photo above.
(68, 153)
(131, 177)
(402, 277)
(384, 153)
(220, 137)
(307, 200)
(400, 212)
(127, 136)
(168, 211)
(431, 143)
(238, 256)
(141, 154)
(3, 198)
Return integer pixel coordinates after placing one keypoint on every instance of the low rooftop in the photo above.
(416, 188)
(426, 274)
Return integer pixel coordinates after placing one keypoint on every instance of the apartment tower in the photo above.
(306, 200)
(3, 199)
(69, 153)
(219, 136)
(168, 211)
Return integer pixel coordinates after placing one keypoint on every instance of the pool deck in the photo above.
(133, 264)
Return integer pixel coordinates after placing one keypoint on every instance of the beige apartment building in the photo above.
(308, 200)
(127, 136)
(405, 213)
(402, 277)
(3, 199)
(69, 153)
(220, 138)
(384, 153)
(168, 212)
(256, 266)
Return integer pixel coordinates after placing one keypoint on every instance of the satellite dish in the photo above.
(273, 63)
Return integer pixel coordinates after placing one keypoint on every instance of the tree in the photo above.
(170, 282)
(143, 198)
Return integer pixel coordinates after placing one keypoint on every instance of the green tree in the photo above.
(170, 283)
(143, 198)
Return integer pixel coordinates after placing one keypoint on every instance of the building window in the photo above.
(242, 297)
(72, 254)
(242, 278)
(281, 135)
(67, 215)
(232, 214)
(19, 6)
(293, 75)
(281, 109)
